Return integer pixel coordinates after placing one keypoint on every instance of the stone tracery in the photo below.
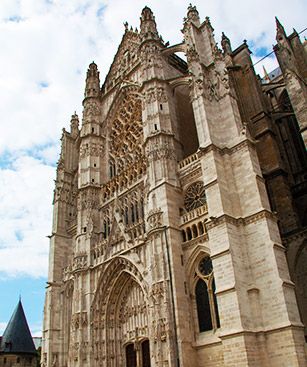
(127, 134)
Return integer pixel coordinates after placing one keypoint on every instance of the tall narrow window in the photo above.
(206, 302)
(145, 354)
(203, 306)
(130, 356)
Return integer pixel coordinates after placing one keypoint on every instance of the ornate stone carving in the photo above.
(127, 133)
(159, 327)
(216, 84)
(91, 109)
(158, 151)
(195, 196)
(154, 218)
(79, 262)
(88, 199)
(93, 149)
(156, 94)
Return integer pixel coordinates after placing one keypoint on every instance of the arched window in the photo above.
(130, 356)
(145, 353)
(200, 228)
(112, 168)
(132, 213)
(189, 233)
(194, 230)
(206, 302)
(203, 306)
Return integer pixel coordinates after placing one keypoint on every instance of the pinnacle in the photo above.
(147, 14)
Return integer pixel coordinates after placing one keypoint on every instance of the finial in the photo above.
(92, 81)
(126, 26)
(280, 31)
(193, 15)
(226, 45)
(148, 25)
(266, 75)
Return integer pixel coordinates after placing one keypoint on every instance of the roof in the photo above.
(17, 338)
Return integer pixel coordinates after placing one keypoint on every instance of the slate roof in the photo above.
(17, 338)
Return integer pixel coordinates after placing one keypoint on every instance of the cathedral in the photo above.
(179, 233)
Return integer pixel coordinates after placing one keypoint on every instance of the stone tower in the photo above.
(165, 250)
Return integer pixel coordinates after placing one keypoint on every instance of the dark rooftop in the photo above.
(17, 338)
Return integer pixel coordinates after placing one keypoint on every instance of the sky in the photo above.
(46, 47)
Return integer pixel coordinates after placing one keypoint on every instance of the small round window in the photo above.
(205, 266)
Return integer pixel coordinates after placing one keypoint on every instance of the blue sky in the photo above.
(46, 46)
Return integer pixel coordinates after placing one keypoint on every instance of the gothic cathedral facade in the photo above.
(176, 206)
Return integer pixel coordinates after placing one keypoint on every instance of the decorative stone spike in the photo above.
(226, 45)
(193, 15)
(148, 25)
(74, 125)
(92, 81)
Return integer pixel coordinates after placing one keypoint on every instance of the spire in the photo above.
(280, 31)
(92, 87)
(226, 45)
(148, 25)
(193, 15)
(17, 337)
(266, 75)
(74, 125)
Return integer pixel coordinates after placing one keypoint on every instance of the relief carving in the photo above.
(91, 109)
(154, 218)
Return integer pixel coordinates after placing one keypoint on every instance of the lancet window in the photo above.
(205, 297)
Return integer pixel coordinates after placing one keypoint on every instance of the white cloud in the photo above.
(46, 47)
(2, 327)
(25, 216)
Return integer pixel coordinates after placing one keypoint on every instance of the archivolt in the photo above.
(110, 276)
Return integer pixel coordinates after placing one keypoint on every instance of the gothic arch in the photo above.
(120, 94)
(204, 308)
(119, 312)
(195, 256)
(109, 275)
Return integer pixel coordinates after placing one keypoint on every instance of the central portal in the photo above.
(126, 324)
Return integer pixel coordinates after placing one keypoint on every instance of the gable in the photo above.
(126, 58)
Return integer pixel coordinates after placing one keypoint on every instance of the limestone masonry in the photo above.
(180, 209)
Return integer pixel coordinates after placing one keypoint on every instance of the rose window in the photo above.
(195, 196)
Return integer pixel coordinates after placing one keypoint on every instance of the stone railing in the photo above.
(196, 213)
(190, 159)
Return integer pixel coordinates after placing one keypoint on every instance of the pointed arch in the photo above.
(119, 311)
(202, 290)
(125, 130)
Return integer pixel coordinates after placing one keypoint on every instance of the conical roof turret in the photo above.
(17, 338)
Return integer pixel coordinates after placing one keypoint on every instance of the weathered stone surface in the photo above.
(172, 206)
